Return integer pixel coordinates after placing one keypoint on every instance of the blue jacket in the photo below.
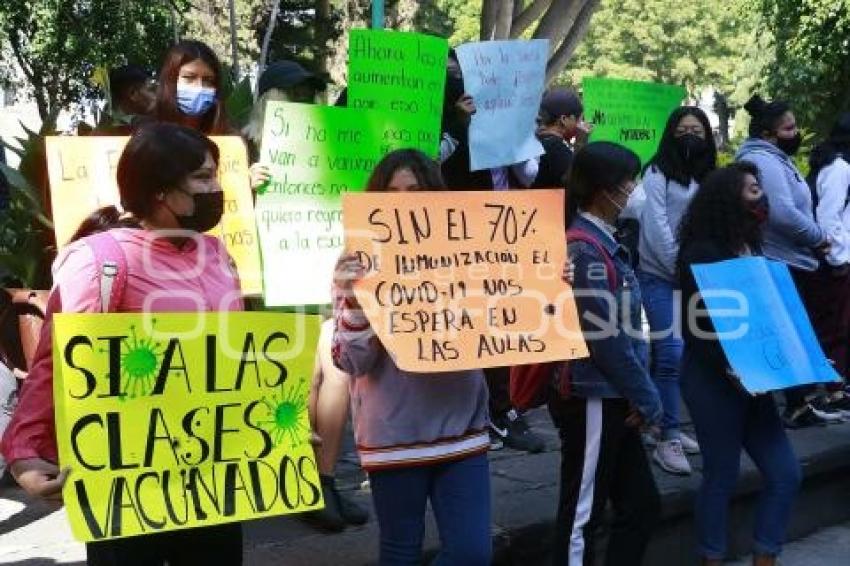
(617, 366)
(791, 233)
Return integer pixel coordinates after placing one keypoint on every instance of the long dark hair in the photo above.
(425, 169)
(214, 122)
(717, 212)
(598, 166)
(836, 145)
(158, 157)
(668, 159)
(765, 116)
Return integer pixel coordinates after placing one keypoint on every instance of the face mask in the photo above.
(790, 145)
(195, 101)
(759, 209)
(208, 210)
(691, 147)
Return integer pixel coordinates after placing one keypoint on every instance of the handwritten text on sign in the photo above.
(403, 74)
(762, 324)
(631, 113)
(463, 280)
(316, 154)
(82, 174)
(173, 421)
(506, 81)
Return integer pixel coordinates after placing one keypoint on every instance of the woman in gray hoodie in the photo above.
(791, 235)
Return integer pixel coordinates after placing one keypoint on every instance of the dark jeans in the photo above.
(827, 303)
(726, 421)
(499, 386)
(602, 459)
(459, 493)
(219, 544)
(660, 303)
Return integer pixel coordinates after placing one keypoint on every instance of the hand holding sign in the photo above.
(463, 280)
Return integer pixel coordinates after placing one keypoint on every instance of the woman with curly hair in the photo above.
(724, 221)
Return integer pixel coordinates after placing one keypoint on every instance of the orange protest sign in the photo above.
(82, 172)
(464, 280)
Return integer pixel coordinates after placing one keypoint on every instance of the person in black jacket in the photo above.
(561, 120)
(724, 221)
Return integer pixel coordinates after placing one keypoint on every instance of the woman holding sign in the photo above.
(421, 437)
(725, 221)
(685, 156)
(159, 260)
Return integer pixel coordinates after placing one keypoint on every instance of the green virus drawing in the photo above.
(140, 360)
(286, 411)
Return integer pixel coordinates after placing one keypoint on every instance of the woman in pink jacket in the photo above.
(155, 258)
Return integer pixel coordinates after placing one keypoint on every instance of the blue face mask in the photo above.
(194, 101)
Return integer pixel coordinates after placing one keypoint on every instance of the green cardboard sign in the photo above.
(404, 75)
(316, 154)
(630, 113)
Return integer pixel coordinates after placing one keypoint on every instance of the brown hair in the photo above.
(214, 122)
(425, 169)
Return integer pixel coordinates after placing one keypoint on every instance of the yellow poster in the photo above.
(174, 421)
(464, 280)
(82, 171)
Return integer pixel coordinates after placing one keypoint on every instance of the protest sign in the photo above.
(630, 113)
(82, 172)
(174, 421)
(316, 154)
(506, 80)
(762, 324)
(464, 280)
(403, 74)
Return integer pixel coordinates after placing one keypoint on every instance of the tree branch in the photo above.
(489, 13)
(557, 21)
(577, 32)
(528, 16)
(504, 19)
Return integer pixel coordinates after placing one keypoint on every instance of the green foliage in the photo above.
(693, 44)
(26, 232)
(810, 44)
(57, 44)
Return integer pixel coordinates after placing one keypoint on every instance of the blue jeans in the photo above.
(459, 492)
(666, 344)
(727, 420)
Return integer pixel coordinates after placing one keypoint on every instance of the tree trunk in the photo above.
(264, 52)
(721, 106)
(563, 22)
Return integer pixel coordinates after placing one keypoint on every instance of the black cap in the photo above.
(562, 102)
(286, 74)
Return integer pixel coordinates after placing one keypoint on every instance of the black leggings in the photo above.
(219, 545)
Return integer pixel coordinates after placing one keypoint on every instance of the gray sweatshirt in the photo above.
(665, 206)
(791, 233)
(402, 418)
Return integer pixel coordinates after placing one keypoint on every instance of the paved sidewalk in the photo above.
(524, 496)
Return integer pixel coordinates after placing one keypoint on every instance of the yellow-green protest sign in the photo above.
(403, 74)
(315, 154)
(82, 172)
(630, 113)
(174, 421)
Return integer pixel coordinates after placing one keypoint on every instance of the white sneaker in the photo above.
(689, 445)
(671, 458)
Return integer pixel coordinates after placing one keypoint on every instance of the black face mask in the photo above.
(790, 145)
(208, 210)
(691, 147)
(759, 209)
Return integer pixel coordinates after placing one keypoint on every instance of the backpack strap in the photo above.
(579, 235)
(112, 265)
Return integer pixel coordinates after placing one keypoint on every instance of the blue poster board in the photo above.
(762, 324)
